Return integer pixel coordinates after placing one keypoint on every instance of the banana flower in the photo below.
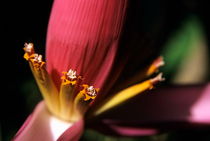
(82, 44)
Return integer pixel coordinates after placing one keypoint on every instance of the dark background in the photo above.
(26, 21)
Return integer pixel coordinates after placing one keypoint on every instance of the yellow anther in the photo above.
(155, 65)
(31, 56)
(36, 60)
(90, 92)
(29, 50)
(70, 77)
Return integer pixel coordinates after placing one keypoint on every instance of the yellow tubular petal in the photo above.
(46, 86)
(83, 100)
(44, 82)
(126, 94)
(79, 107)
(66, 100)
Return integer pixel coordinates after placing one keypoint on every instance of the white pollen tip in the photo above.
(159, 62)
(72, 74)
(91, 91)
(158, 78)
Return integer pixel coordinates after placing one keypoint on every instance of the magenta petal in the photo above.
(174, 107)
(41, 125)
(25, 124)
(132, 131)
(83, 35)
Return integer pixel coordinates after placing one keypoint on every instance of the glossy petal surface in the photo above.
(41, 125)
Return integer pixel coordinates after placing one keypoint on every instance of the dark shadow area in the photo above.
(23, 21)
(168, 108)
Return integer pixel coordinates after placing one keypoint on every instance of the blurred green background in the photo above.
(178, 30)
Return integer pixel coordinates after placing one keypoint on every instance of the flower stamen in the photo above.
(158, 78)
(70, 77)
(29, 50)
(127, 93)
(90, 92)
(43, 79)
(36, 59)
(66, 95)
(33, 57)
(72, 74)
(83, 100)
(155, 65)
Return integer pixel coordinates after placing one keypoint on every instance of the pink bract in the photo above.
(83, 35)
